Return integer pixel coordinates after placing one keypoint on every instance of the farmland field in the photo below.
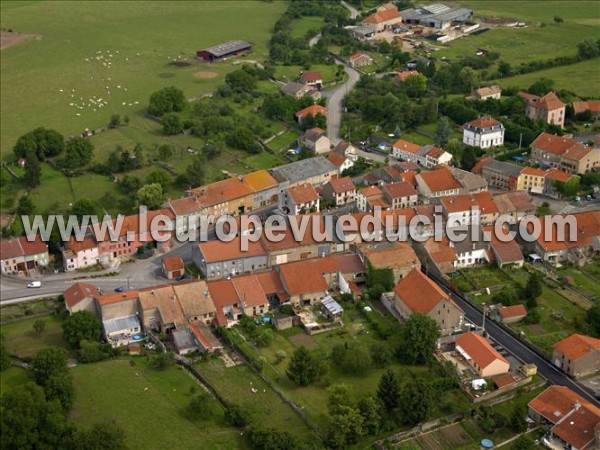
(148, 404)
(70, 62)
(581, 78)
(535, 41)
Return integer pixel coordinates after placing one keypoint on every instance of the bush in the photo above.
(162, 360)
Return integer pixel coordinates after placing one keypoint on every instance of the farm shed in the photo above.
(226, 49)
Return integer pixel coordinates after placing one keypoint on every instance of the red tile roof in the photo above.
(406, 146)
(549, 102)
(214, 251)
(419, 293)
(13, 248)
(440, 180)
(311, 76)
(483, 122)
(337, 159)
(509, 312)
(223, 293)
(78, 292)
(259, 180)
(440, 252)
(404, 75)
(312, 109)
(399, 190)
(172, 263)
(249, 290)
(341, 185)
(271, 283)
(221, 192)
(533, 172)
(183, 206)
(588, 227)
(383, 16)
(583, 106)
(479, 349)
(117, 297)
(552, 143)
(306, 276)
(578, 418)
(577, 152)
(303, 194)
(558, 175)
(577, 346)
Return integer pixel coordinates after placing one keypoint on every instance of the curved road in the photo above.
(335, 101)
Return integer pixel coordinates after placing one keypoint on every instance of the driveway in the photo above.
(335, 102)
(353, 11)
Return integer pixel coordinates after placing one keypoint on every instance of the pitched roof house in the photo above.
(18, 255)
(417, 293)
(571, 420)
(548, 108)
(577, 355)
(395, 255)
(480, 355)
(563, 153)
(340, 191)
(437, 183)
(81, 297)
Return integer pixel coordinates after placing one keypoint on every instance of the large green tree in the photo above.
(102, 436)
(168, 99)
(419, 336)
(305, 367)
(29, 421)
(417, 400)
(78, 152)
(42, 142)
(151, 195)
(443, 131)
(172, 124)
(81, 325)
(388, 391)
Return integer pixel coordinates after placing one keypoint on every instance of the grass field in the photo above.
(21, 340)
(264, 406)
(534, 42)
(148, 404)
(12, 377)
(581, 78)
(305, 24)
(143, 39)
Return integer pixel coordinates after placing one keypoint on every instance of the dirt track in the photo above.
(10, 38)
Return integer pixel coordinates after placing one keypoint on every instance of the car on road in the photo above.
(35, 284)
(120, 289)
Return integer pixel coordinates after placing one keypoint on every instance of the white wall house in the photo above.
(484, 132)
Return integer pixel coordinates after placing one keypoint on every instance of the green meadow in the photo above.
(96, 50)
(540, 39)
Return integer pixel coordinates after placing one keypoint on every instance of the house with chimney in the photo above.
(80, 254)
(437, 183)
(481, 356)
(570, 421)
(547, 108)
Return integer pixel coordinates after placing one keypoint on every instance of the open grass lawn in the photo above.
(265, 407)
(305, 24)
(581, 78)
(284, 141)
(143, 38)
(535, 42)
(263, 160)
(21, 340)
(13, 377)
(148, 404)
